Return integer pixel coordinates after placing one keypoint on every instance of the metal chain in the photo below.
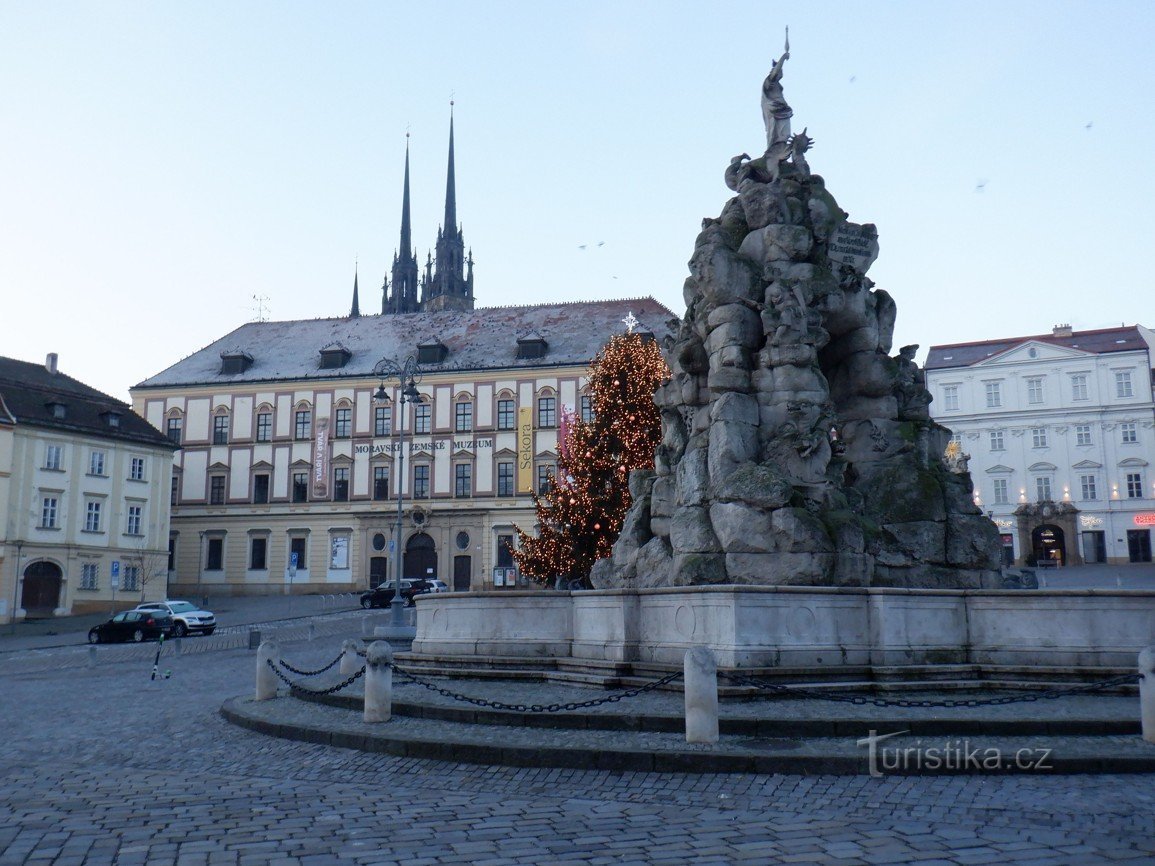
(299, 688)
(539, 708)
(302, 673)
(796, 691)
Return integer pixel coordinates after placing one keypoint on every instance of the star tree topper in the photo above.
(630, 321)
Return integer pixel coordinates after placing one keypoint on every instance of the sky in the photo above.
(170, 171)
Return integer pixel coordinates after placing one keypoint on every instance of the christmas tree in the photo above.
(581, 512)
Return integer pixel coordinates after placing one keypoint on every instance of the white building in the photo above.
(84, 493)
(1060, 430)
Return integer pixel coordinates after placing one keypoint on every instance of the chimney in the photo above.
(1062, 331)
(50, 362)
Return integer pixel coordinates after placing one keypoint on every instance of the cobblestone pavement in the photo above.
(103, 765)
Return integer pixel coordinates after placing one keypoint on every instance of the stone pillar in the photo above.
(1147, 693)
(379, 682)
(269, 651)
(701, 690)
(349, 658)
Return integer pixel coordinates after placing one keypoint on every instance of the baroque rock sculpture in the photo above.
(795, 449)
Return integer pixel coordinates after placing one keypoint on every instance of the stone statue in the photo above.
(776, 113)
(910, 386)
(956, 460)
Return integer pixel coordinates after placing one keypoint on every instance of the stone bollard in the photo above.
(312, 629)
(92, 656)
(350, 661)
(270, 651)
(366, 626)
(1147, 693)
(700, 673)
(379, 682)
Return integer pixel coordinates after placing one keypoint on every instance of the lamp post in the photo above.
(408, 374)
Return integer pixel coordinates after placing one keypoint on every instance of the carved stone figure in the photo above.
(776, 113)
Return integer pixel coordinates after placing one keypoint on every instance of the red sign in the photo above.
(1147, 519)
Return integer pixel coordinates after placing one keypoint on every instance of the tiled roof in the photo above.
(28, 391)
(1123, 339)
(481, 339)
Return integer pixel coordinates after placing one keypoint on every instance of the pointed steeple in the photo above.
(450, 223)
(355, 311)
(406, 230)
(403, 298)
(450, 288)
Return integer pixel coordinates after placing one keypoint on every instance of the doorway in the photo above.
(462, 573)
(378, 570)
(41, 594)
(1048, 545)
(420, 558)
(1139, 545)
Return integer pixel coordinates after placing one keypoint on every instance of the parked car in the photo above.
(434, 585)
(187, 617)
(133, 625)
(382, 595)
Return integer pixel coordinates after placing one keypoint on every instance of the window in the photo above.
(420, 482)
(216, 490)
(89, 575)
(215, 554)
(92, 516)
(343, 423)
(258, 554)
(1123, 383)
(264, 426)
(994, 392)
(1087, 487)
(1082, 434)
(463, 480)
(950, 398)
(505, 415)
(174, 490)
(544, 473)
(96, 463)
(300, 486)
(1130, 432)
(1035, 389)
(587, 409)
(51, 456)
(1000, 491)
(341, 484)
(130, 578)
(463, 417)
(261, 489)
(505, 551)
(380, 482)
(220, 429)
(505, 479)
(48, 512)
(382, 420)
(136, 469)
(546, 411)
(1038, 437)
(303, 424)
(173, 430)
(997, 440)
(1079, 386)
(132, 524)
(1043, 488)
(298, 545)
(422, 415)
(1134, 485)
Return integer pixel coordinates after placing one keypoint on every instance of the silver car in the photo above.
(187, 617)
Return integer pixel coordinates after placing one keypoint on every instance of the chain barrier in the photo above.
(302, 673)
(295, 687)
(538, 708)
(780, 690)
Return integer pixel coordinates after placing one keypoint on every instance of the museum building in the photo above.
(295, 442)
(1059, 429)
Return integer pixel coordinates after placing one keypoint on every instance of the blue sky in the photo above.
(162, 163)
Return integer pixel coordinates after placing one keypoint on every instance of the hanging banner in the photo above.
(524, 449)
(321, 460)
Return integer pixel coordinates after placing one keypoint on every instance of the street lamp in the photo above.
(407, 374)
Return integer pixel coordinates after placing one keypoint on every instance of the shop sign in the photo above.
(1145, 519)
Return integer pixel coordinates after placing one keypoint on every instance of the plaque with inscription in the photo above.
(853, 244)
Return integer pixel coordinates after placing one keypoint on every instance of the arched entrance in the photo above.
(41, 594)
(420, 558)
(1048, 544)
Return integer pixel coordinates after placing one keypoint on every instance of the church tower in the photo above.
(403, 297)
(449, 286)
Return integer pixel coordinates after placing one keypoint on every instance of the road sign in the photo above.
(115, 581)
(293, 559)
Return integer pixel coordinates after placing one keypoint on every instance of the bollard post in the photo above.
(92, 656)
(270, 651)
(700, 672)
(312, 629)
(1147, 692)
(254, 638)
(366, 625)
(379, 682)
(349, 658)
(176, 645)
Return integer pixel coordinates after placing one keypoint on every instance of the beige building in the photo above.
(289, 469)
(84, 493)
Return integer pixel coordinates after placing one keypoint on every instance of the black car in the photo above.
(133, 625)
(382, 595)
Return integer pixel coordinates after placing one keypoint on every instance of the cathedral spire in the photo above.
(406, 230)
(355, 311)
(450, 185)
(403, 297)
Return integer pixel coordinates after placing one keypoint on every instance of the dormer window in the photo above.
(531, 346)
(433, 352)
(57, 410)
(112, 419)
(234, 361)
(334, 357)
